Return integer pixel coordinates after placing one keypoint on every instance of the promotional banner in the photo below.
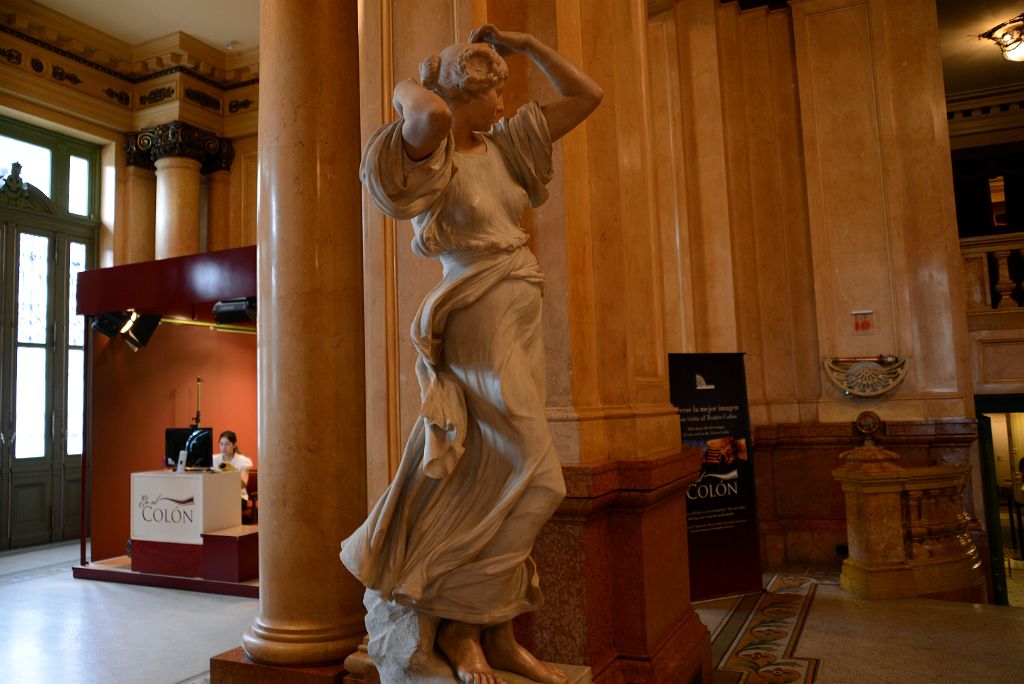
(710, 392)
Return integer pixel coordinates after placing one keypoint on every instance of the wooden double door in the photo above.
(42, 373)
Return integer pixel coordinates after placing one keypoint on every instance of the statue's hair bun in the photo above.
(430, 69)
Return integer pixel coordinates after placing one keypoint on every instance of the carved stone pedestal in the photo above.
(908, 529)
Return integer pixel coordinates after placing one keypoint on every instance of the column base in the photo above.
(299, 647)
(234, 667)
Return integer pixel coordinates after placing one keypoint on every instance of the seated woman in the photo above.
(230, 458)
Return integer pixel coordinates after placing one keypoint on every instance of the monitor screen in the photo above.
(197, 443)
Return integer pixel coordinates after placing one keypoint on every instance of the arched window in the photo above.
(49, 211)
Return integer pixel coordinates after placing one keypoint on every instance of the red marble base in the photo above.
(166, 558)
(234, 667)
(231, 555)
(614, 570)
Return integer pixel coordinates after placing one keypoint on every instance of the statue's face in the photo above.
(482, 110)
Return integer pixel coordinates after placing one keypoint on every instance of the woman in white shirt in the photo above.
(231, 458)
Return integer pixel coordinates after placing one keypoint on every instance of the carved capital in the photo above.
(221, 161)
(134, 155)
(179, 139)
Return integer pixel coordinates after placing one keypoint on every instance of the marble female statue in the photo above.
(452, 535)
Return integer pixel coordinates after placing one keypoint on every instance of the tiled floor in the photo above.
(59, 629)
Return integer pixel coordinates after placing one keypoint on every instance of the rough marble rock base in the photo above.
(401, 643)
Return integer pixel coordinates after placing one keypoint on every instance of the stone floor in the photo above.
(59, 629)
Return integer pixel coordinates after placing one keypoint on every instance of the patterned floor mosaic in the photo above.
(755, 644)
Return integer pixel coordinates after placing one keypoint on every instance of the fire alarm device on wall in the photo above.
(863, 322)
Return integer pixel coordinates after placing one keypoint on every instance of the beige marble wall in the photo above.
(217, 188)
(880, 199)
(244, 189)
(397, 35)
(773, 302)
(614, 364)
(800, 177)
(731, 198)
(137, 233)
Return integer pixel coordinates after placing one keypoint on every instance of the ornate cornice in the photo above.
(178, 139)
(129, 73)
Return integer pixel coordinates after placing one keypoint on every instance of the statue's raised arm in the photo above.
(579, 94)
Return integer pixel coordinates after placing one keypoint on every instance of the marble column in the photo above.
(177, 207)
(311, 384)
(140, 215)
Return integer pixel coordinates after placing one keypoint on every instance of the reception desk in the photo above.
(171, 512)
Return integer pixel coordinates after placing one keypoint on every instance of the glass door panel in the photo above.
(75, 406)
(30, 403)
(30, 375)
(78, 186)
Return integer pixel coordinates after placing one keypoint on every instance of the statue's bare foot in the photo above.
(460, 641)
(505, 653)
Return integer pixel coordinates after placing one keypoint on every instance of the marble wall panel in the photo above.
(244, 190)
(397, 36)
(708, 193)
(851, 232)
(879, 197)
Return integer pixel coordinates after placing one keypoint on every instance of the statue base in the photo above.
(400, 648)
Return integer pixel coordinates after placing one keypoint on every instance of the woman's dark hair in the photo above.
(232, 437)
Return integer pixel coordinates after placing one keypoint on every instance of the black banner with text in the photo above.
(710, 392)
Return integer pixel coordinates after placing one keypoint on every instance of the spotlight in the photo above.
(110, 323)
(141, 330)
(242, 310)
(132, 317)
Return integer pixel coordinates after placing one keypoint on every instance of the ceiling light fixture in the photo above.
(1009, 36)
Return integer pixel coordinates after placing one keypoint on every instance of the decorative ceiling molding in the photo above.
(173, 53)
(655, 7)
(756, 4)
(987, 116)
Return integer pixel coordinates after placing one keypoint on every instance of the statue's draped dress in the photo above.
(451, 536)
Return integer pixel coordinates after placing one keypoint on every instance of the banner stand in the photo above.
(710, 392)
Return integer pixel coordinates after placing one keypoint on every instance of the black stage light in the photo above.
(242, 310)
(110, 323)
(141, 330)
